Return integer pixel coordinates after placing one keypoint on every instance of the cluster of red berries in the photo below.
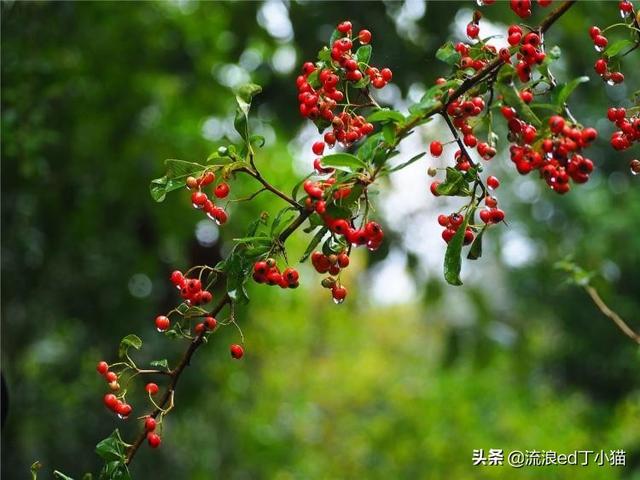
(153, 439)
(629, 128)
(113, 403)
(466, 61)
(461, 110)
(602, 64)
(201, 200)
(559, 158)
(208, 324)
(321, 88)
(451, 224)
(370, 234)
(529, 54)
(331, 264)
(267, 271)
(190, 289)
(522, 8)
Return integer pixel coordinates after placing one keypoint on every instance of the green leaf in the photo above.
(335, 35)
(370, 147)
(317, 238)
(130, 340)
(160, 363)
(61, 476)
(389, 133)
(564, 91)
(244, 96)
(453, 255)
(278, 223)
(115, 470)
(176, 177)
(87, 476)
(512, 98)
(408, 162)
(385, 115)
(324, 55)
(454, 184)
(447, 54)
(429, 100)
(616, 47)
(35, 466)
(111, 448)
(343, 161)
(475, 252)
(363, 54)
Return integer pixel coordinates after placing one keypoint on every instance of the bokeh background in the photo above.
(408, 376)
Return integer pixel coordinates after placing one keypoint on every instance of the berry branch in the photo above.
(335, 204)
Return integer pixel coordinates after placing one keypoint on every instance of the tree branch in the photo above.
(620, 323)
(401, 132)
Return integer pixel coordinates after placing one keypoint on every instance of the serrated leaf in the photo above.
(453, 255)
(343, 161)
(130, 340)
(616, 47)
(386, 114)
(564, 91)
(475, 252)
(370, 147)
(317, 238)
(429, 100)
(363, 54)
(164, 363)
(447, 54)
(111, 448)
(454, 184)
(324, 55)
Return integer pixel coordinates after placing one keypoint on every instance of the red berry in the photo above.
(236, 351)
(210, 323)
(343, 260)
(151, 388)
(594, 32)
(318, 148)
(110, 401)
(434, 188)
(473, 30)
(344, 27)
(198, 199)
(123, 409)
(387, 74)
(111, 377)
(600, 66)
(600, 41)
(102, 367)
(339, 293)
(364, 36)
(435, 148)
(526, 96)
(493, 182)
(153, 439)
(222, 190)
(177, 277)
(206, 179)
(162, 323)
(150, 424)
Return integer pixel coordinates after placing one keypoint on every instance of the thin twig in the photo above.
(620, 323)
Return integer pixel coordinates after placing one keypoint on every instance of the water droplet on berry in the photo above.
(610, 82)
(122, 417)
(480, 3)
(338, 301)
(197, 207)
(159, 330)
(218, 222)
(598, 49)
(624, 14)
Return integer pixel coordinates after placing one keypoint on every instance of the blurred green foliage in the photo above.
(96, 95)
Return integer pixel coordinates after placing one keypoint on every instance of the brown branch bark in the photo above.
(617, 319)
